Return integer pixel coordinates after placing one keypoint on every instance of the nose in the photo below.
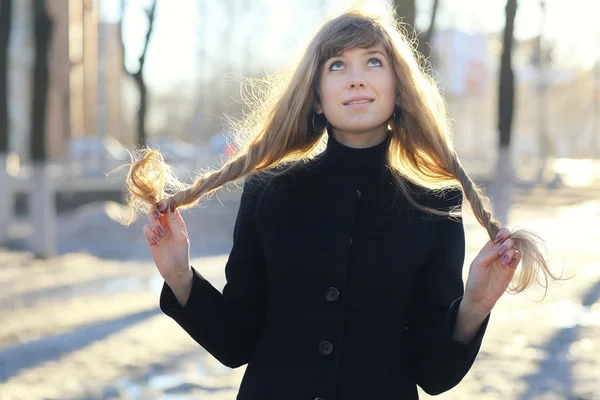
(356, 80)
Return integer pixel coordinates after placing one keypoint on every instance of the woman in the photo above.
(345, 276)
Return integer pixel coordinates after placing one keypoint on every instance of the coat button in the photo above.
(332, 294)
(325, 348)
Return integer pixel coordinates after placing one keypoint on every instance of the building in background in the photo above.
(86, 69)
(463, 61)
(466, 67)
(110, 75)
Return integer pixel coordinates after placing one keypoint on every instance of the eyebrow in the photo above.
(368, 52)
(375, 52)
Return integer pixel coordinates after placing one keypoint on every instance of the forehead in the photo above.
(378, 47)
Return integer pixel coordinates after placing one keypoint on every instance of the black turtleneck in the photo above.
(341, 159)
(364, 167)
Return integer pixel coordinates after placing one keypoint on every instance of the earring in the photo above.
(313, 122)
(397, 114)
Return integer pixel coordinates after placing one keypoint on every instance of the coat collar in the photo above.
(343, 160)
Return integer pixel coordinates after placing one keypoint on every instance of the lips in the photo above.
(358, 100)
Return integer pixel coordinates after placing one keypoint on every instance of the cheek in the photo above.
(390, 86)
(327, 102)
(389, 93)
(329, 95)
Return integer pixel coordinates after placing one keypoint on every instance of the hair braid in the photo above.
(527, 243)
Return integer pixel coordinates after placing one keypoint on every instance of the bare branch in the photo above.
(429, 33)
(138, 76)
(150, 14)
(121, 40)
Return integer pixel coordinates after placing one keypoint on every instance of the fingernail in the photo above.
(156, 214)
(162, 207)
(172, 207)
(513, 262)
(505, 259)
(160, 230)
(497, 239)
(155, 240)
(502, 249)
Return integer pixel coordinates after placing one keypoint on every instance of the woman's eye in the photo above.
(336, 65)
(376, 61)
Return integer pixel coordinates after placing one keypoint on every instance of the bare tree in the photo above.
(506, 99)
(41, 196)
(6, 191)
(138, 75)
(407, 11)
(41, 81)
(5, 26)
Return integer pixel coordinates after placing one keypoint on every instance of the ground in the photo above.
(86, 324)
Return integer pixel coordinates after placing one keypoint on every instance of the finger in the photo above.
(503, 234)
(508, 256)
(163, 206)
(175, 223)
(506, 245)
(515, 260)
(180, 220)
(491, 253)
(154, 217)
(150, 235)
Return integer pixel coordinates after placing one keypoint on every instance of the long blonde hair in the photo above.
(283, 127)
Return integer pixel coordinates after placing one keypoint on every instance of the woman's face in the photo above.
(357, 92)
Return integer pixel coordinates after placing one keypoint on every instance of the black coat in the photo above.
(336, 288)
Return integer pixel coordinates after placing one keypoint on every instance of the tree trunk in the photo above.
(5, 26)
(504, 168)
(141, 114)
(138, 76)
(6, 199)
(429, 34)
(41, 196)
(407, 11)
(41, 81)
(424, 44)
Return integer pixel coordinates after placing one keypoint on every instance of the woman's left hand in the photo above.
(491, 272)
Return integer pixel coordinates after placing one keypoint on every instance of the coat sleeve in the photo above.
(228, 324)
(440, 361)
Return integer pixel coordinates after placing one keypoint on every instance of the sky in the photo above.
(184, 29)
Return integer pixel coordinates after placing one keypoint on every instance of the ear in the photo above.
(318, 109)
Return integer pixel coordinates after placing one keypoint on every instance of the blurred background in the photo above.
(84, 81)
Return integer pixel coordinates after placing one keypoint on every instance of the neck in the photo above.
(360, 139)
(364, 161)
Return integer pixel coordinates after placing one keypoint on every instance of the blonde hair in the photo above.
(282, 128)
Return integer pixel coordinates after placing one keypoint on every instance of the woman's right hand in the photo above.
(169, 244)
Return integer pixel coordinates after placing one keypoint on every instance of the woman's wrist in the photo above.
(475, 307)
(181, 285)
(469, 318)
